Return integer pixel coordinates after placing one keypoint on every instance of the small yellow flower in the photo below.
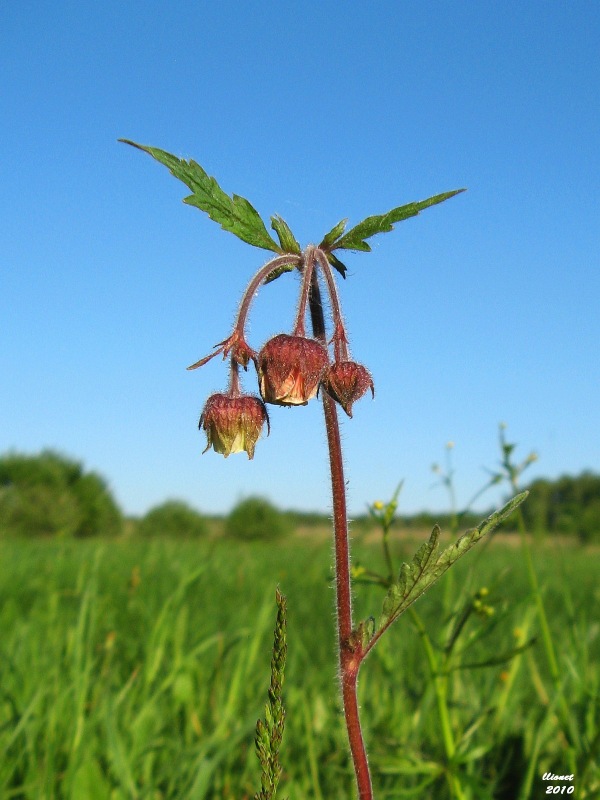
(378, 505)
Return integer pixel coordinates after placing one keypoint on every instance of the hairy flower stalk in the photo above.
(236, 344)
(307, 268)
(339, 338)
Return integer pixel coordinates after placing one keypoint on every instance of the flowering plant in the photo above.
(292, 369)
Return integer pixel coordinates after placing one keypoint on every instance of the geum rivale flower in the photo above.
(290, 369)
(233, 424)
(347, 382)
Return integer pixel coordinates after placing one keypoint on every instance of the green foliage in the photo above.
(568, 505)
(173, 519)
(441, 659)
(355, 239)
(234, 214)
(151, 687)
(51, 495)
(269, 733)
(256, 518)
(286, 237)
(237, 215)
(334, 234)
(428, 565)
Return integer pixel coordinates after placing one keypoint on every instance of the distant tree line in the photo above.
(52, 495)
(568, 505)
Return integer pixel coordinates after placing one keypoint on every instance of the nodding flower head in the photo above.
(347, 382)
(233, 424)
(290, 369)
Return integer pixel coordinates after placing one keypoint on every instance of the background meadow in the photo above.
(135, 665)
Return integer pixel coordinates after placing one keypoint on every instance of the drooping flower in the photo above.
(347, 382)
(290, 369)
(233, 424)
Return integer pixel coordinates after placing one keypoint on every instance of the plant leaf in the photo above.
(427, 566)
(354, 239)
(337, 264)
(234, 214)
(286, 237)
(333, 234)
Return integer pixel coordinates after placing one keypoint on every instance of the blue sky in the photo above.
(481, 310)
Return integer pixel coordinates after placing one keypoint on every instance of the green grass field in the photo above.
(138, 670)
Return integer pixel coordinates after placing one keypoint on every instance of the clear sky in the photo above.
(481, 310)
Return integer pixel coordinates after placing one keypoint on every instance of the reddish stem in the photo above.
(236, 343)
(255, 282)
(234, 378)
(340, 342)
(307, 273)
(350, 659)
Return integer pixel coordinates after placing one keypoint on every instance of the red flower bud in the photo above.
(233, 424)
(290, 368)
(347, 382)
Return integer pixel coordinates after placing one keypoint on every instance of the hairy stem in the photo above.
(235, 343)
(340, 342)
(255, 282)
(349, 659)
(234, 378)
(307, 273)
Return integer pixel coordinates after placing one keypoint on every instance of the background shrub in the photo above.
(569, 505)
(173, 518)
(256, 518)
(51, 495)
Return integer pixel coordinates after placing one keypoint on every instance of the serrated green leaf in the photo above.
(286, 237)
(427, 566)
(392, 600)
(337, 264)
(333, 234)
(383, 223)
(234, 214)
